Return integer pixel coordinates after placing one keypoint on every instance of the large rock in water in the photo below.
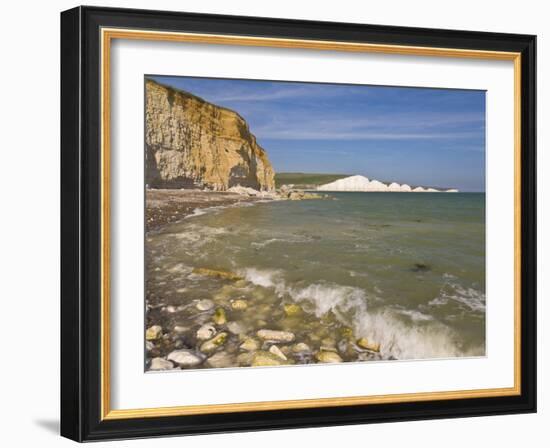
(192, 143)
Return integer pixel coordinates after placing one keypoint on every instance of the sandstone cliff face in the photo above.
(192, 143)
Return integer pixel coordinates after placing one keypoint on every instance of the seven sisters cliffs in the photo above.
(249, 267)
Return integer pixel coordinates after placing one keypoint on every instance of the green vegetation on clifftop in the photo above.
(301, 180)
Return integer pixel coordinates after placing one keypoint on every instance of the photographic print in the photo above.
(294, 223)
(343, 212)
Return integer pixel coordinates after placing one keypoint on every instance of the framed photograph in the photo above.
(273, 223)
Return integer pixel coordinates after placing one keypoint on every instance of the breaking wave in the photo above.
(469, 299)
(398, 339)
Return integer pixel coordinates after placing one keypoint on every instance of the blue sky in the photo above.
(431, 137)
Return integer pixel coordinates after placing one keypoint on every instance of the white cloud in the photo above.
(386, 127)
(273, 93)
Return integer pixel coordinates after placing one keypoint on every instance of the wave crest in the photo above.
(469, 299)
(350, 306)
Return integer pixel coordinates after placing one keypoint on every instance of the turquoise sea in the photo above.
(404, 270)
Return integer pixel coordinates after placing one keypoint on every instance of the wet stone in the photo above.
(346, 332)
(368, 356)
(265, 359)
(345, 347)
(368, 345)
(328, 357)
(421, 267)
(300, 347)
(250, 345)
(160, 364)
(328, 344)
(236, 327)
(212, 344)
(292, 309)
(239, 305)
(220, 360)
(185, 358)
(153, 333)
(286, 349)
(274, 335)
(205, 332)
(205, 305)
(219, 316)
(202, 318)
(245, 359)
(303, 357)
(274, 350)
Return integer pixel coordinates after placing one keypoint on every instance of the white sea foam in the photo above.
(415, 315)
(189, 237)
(196, 212)
(407, 342)
(331, 297)
(218, 208)
(259, 277)
(350, 305)
(469, 298)
(286, 239)
(264, 243)
(194, 237)
(179, 268)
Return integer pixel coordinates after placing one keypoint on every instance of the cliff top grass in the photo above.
(310, 179)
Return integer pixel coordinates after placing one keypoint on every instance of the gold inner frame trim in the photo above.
(107, 35)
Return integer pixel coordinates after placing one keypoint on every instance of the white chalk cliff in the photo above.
(362, 183)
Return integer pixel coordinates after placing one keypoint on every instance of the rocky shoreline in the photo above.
(228, 330)
(238, 326)
(167, 206)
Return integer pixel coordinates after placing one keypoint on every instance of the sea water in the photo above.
(404, 270)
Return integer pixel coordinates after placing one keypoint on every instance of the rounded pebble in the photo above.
(161, 364)
(205, 305)
(185, 358)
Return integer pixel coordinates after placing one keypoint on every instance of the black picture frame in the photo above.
(81, 224)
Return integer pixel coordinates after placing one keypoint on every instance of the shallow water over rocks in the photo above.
(368, 276)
